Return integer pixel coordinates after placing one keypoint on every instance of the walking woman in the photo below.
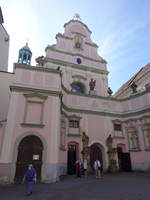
(30, 178)
(97, 167)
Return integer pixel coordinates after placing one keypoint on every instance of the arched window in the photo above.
(78, 87)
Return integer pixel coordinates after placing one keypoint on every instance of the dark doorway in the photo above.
(119, 152)
(96, 153)
(124, 160)
(71, 158)
(29, 152)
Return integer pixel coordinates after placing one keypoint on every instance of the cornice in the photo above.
(78, 22)
(33, 68)
(75, 54)
(105, 113)
(112, 98)
(63, 36)
(92, 44)
(32, 125)
(79, 77)
(76, 66)
(34, 94)
(73, 135)
(17, 88)
(133, 96)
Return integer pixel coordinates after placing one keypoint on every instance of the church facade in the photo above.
(63, 106)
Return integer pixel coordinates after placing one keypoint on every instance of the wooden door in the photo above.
(29, 152)
(71, 158)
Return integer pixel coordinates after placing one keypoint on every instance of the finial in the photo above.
(76, 17)
(27, 40)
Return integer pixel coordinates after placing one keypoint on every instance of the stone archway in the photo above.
(15, 154)
(29, 151)
(97, 152)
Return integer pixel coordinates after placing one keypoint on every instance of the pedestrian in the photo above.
(85, 167)
(97, 168)
(30, 178)
(78, 168)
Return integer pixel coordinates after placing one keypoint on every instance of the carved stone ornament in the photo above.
(40, 60)
(92, 84)
(111, 155)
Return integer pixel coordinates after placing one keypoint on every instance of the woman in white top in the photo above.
(97, 167)
(85, 167)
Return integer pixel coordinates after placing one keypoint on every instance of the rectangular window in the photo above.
(73, 124)
(117, 127)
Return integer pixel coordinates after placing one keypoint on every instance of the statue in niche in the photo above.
(78, 42)
(133, 86)
(109, 91)
(134, 140)
(92, 84)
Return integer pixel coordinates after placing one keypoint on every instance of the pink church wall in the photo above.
(140, 157)
(49, 80)
(34, 112)
(125, 106)
(145, 100)
(96, 128)
(38, 78)
(26, 77)
(19, 130)
(2, 131)
(135, 103)
(62, 157)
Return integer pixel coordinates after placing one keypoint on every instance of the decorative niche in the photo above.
(78, 40)
(133, 139)
(34, 110)
(146, 135)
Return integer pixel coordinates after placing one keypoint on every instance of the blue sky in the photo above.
(121, 28)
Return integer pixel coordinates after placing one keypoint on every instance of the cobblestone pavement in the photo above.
(121, 186)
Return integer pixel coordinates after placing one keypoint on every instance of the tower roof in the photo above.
(26, 48)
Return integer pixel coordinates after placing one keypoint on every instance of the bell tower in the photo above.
(25, 55)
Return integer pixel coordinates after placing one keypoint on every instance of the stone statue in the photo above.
(109, 141)
(86, 149)
(92, 84)
(40, 60)
(76, 17)
(85, 140)
(133, 86)
(109, 91)
(111, 154)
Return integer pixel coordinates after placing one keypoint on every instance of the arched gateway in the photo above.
(29, 151)
(96, 152)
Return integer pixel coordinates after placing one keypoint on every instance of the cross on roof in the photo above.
(77, 17)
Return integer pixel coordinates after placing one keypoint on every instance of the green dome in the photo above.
(25, 55)
(26, 48)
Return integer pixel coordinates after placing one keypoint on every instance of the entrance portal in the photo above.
(72, 152)
(29, 151)
(124, 160)
(96, 153)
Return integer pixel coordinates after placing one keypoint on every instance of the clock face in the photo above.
(79, 60)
